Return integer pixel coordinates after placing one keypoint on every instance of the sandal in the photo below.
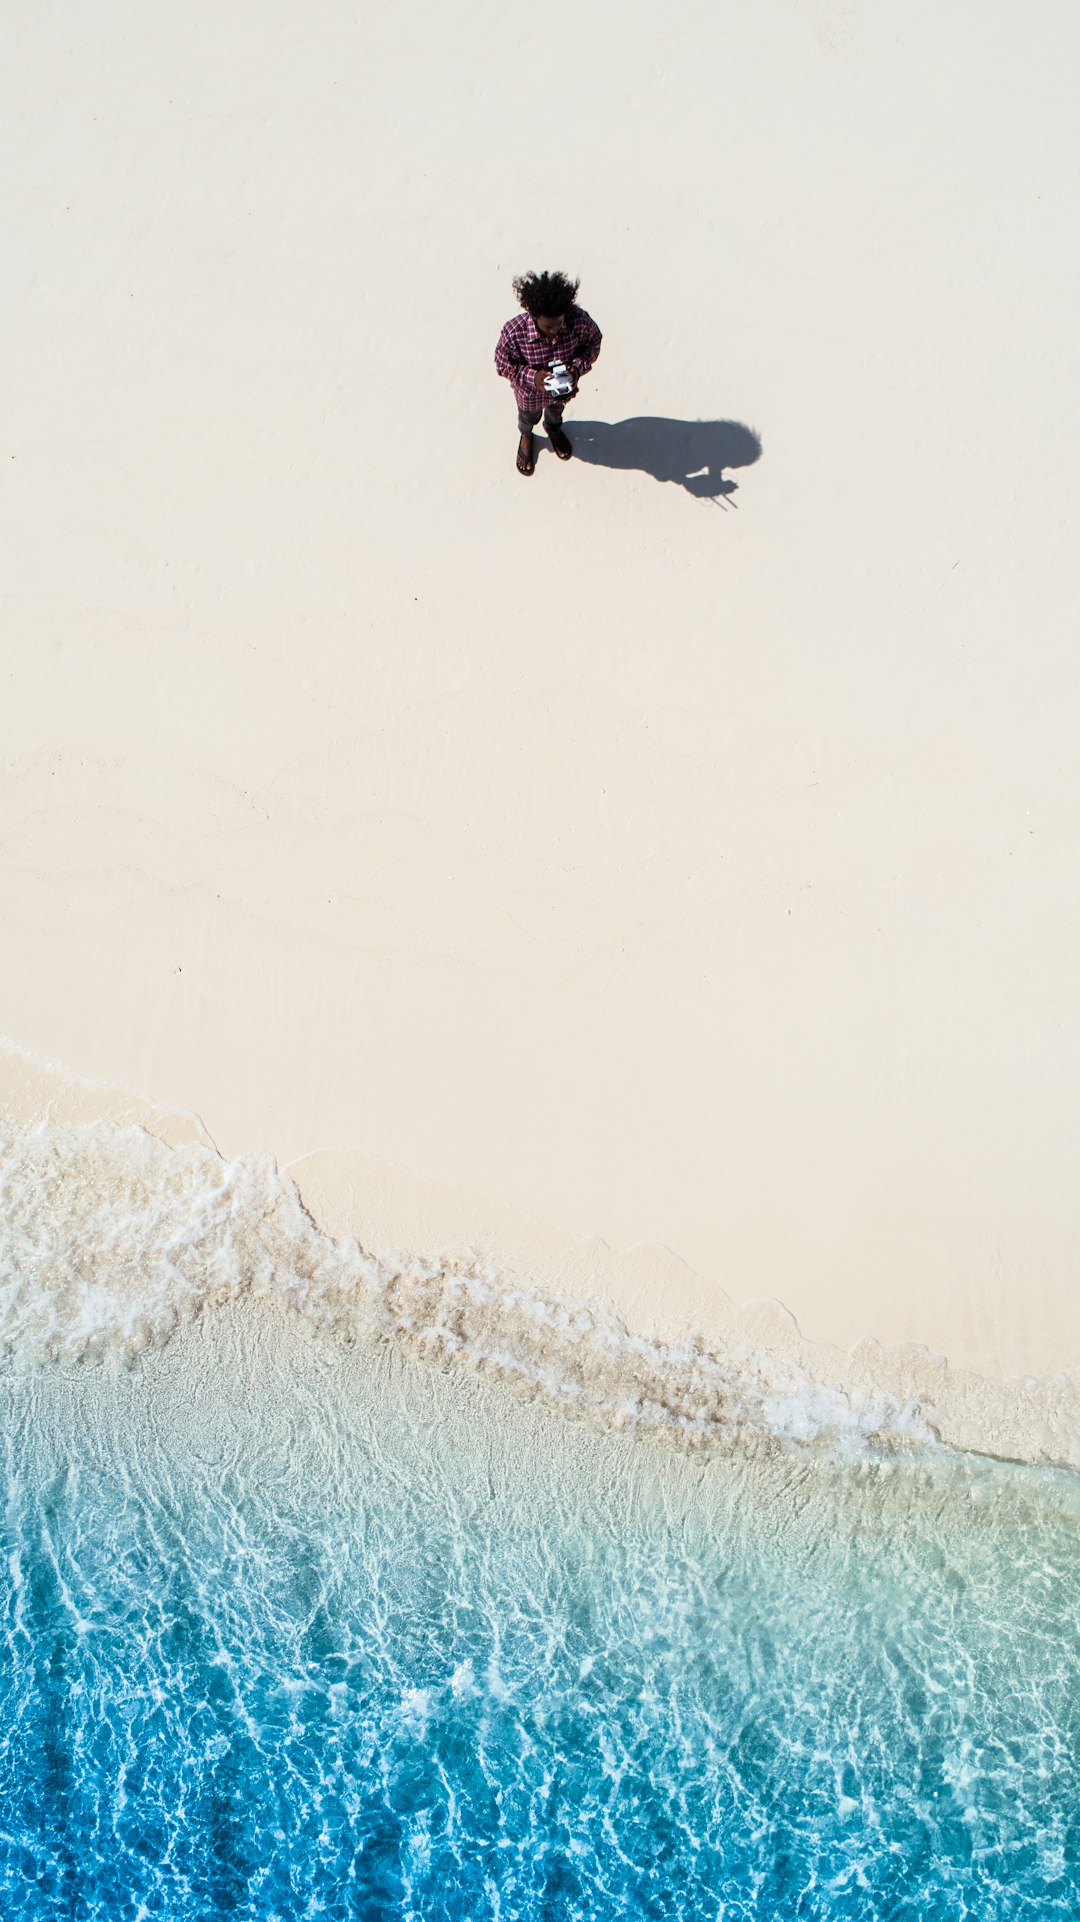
(559, 443)
(526, 462)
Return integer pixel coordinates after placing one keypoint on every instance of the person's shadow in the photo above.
(692, 452)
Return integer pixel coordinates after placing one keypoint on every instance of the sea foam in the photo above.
(110, 1239)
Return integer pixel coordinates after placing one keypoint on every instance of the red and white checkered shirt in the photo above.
(523, 348)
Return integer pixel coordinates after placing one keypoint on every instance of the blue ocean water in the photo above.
(298, 1626)
(339, 1588)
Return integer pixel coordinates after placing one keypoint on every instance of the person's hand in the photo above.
(539, 377)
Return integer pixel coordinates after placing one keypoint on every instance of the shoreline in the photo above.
(632, 1336)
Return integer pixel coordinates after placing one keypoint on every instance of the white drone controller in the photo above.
(560, 380)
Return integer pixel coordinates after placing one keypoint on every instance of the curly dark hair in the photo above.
(549, 294)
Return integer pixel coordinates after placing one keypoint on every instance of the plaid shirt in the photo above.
(522, 348)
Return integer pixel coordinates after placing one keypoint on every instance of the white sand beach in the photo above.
(664, 893)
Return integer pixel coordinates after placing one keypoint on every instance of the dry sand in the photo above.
(563, 868)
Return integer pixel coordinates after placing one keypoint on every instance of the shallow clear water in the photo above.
(295, 1627)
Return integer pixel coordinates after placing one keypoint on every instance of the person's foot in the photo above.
(526, 459)
(560, 443)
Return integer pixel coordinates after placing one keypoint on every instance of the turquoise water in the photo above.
(298, 1625)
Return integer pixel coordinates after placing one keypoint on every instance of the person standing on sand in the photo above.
(551, 328)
